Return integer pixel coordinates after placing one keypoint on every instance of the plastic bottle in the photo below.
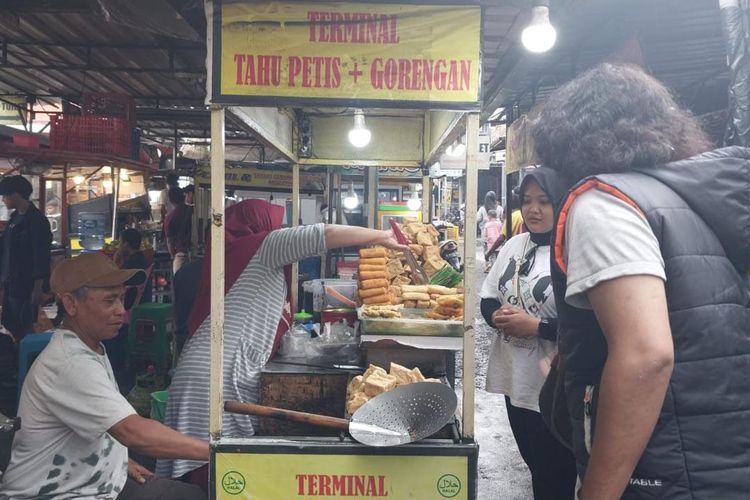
(297, 337)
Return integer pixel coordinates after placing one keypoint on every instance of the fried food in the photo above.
(371, 268)
(410, 304)
(372, 253)
(440, 290)
(415, 288)
(378, 299)
(394, 268)
(423, 304)
(451, 301)
(372, 292)
(415, 296)
(380, 261)
(375, 283)
(417, 250)
(424, 239)
(383, 311)
(373, 275)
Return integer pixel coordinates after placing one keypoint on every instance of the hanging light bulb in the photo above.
(106, 170)
(78, 180)
(458, 148)
(124, 176)
(352, 200)
(107, 183)
(539, 36)
(359, 135)
(414, 203)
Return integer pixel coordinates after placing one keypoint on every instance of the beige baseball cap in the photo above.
(93, 270)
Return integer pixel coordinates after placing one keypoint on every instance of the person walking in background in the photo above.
(491, 232)
(24, 257)
(166, 206)
(517, 299)
(650, 251)
(178, 228)
(490, 203)
(517, 227)
(189, 195)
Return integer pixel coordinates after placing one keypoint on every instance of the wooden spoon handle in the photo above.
(290, 415)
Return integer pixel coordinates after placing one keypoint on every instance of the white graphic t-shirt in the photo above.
(521, 278)
(68, 402)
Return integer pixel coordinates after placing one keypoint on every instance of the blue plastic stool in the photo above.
(30, 347)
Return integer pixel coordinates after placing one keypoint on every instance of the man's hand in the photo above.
(515, 322)
(138, 473)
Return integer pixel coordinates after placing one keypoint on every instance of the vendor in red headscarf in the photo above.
(258, 259)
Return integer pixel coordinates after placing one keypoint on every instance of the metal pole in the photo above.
(470, 285)
(372, 197)
(295, 223)
(64, 208)
(216, 388)
(115, 173)
(426, 198)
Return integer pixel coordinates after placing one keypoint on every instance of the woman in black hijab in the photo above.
(518, 301)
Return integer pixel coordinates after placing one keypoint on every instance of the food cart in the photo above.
(345, 54)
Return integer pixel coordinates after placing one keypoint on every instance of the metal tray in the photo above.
(411, 323)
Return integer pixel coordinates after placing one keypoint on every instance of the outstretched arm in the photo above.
(338, 236)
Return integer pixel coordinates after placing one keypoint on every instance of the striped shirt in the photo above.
(252, 310)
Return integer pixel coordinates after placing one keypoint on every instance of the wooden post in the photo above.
(470, 257)
(216, 387)
(295, 223)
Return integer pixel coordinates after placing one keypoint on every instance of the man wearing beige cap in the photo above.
(76, 428)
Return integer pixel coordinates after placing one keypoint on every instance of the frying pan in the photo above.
(418, 276)
(402, 415)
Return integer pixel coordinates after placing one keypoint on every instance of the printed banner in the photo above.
(9, 114)
(256, 178)
(339, 51)
(337, 476)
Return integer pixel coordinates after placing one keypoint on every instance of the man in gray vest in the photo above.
(651, 246)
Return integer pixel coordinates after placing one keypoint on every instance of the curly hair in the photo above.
(614, 118)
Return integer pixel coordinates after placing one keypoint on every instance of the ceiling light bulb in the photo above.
(107, 183)
(539, 36)
(352, 200)
(359, 135)
(414, 204)
(78, 179)
(106, 170)
(458, 148)
(124, 176)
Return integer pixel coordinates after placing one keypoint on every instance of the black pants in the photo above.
(552, 465)
(158, 488)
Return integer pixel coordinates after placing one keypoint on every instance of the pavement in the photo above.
(503, 475)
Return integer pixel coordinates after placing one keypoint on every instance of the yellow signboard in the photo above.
(256, 178)
(268, 475)
(9, 109)
(381, 53)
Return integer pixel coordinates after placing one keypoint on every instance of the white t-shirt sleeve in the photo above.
(605, 239)
(85, 401)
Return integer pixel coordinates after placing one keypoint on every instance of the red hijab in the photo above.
(246, 226)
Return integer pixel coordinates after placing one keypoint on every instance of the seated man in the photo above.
(76, 426)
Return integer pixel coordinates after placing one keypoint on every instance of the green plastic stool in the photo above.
(151, 337)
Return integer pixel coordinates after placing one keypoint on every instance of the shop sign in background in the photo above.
(342, 51)
(252, 177)
(9, 114)
(337, 476)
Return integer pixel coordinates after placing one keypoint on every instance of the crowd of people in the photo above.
(620, 304)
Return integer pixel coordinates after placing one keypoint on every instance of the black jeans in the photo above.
(158, 488)
(552, 465)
